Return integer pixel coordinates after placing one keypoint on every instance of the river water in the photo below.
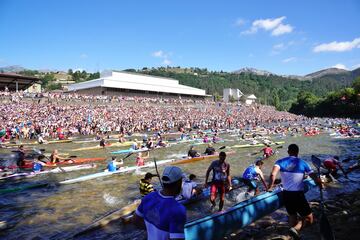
(56, 211)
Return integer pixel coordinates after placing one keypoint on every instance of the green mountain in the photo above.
(271, 89)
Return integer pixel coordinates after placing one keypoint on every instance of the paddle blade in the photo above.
(325, 228)
(222, 147)
(316, 161)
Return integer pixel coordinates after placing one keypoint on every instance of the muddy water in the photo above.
(55, 211)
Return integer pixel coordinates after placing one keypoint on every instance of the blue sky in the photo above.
(284, 37)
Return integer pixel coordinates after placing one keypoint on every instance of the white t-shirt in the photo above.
(187, 188)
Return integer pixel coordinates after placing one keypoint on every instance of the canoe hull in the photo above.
(201, 158)
(218, 225)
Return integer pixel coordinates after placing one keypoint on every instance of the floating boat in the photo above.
(72, 161)
(122, 170)
(36, 143)
(130, 150)
(218, 225)
(116, 144)
(201, 158)
(257, 145)
(17, 176)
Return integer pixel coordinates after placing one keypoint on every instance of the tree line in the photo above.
(342, 103)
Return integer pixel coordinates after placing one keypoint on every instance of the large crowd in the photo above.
(26, 117)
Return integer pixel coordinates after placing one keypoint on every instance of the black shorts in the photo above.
(295, 202)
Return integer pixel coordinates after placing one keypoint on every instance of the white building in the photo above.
(125, 83)
(250, 99)
(229, 93)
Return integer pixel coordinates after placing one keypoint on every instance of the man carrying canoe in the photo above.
(221, 178)
(293, 171)
(163, 216)
(251, 175)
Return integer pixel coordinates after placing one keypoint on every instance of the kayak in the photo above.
(72, 161)
(218, 225)
(93, 140)
(130, 150)
(122, 170)
(257, 145)
(17, 176)
(36, 143)
(116, 144)
(201, 158)
(201, 143)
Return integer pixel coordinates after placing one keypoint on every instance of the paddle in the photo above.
(157, 172)
(325, 227)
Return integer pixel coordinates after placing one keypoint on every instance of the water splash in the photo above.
(111, 200)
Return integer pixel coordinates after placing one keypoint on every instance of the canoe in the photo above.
(257, 145)
(17, 176)
(122, 170)
(72, 161)
(116, 144)
(218, 225)
(202, 143)
(130, 150)
(93, 140)
(36, 143)
(201, 158)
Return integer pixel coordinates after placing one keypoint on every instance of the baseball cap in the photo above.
(171, 174)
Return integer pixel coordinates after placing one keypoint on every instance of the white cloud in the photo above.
(163, 55)
(340, 66)
(338, 46)
(240, 22)
(282, 29)
(166, 62)
(280, 46)
(83, 55)
(275, 25)
(159, 54)
(291, 59)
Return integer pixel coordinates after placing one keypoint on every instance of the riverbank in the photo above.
(343, 212)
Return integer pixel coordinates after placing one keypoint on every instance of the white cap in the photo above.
(171, 174)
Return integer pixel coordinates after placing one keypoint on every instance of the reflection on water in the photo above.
(55, 211)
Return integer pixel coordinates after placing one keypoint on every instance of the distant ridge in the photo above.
(254, 71)
(315, 75)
